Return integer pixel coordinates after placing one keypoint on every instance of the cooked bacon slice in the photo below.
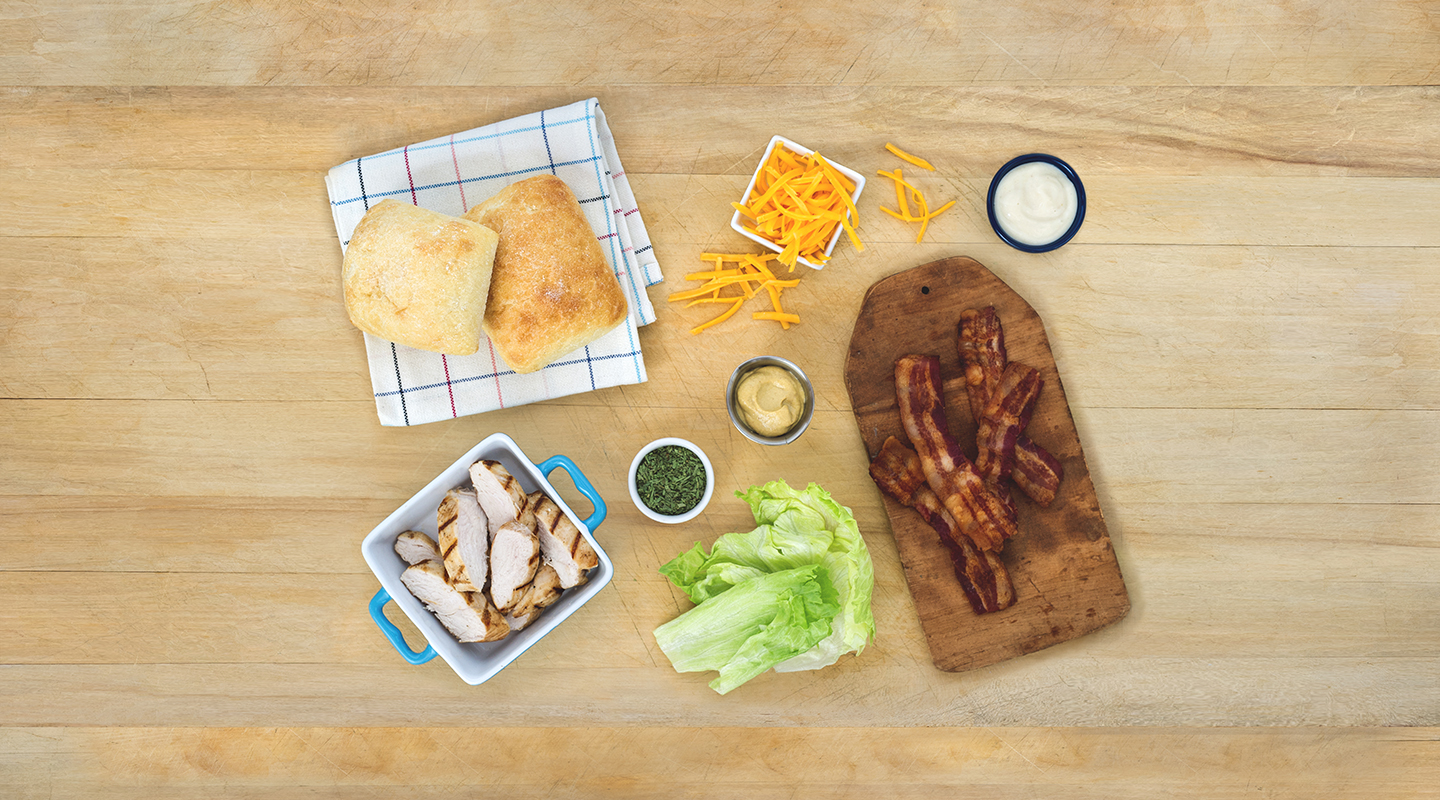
(980, 514)
(897, 471)
(1004, 588)
(982, 350)
(1036, 472)
(982, 575)
(1004, 419)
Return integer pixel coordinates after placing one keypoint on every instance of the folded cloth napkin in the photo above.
(453, 173)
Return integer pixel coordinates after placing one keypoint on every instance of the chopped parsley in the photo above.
(670, 480)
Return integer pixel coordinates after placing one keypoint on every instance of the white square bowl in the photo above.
(854, 176)
(476, 662)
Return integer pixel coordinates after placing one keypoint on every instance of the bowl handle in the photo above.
(582, 483)
(377, 613)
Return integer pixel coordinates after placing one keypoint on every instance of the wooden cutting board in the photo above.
(1067, 581)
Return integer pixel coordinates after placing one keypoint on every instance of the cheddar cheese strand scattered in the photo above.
(749, 276)
(917, 161)
(735, 306)
(783, 319)
(904, 191)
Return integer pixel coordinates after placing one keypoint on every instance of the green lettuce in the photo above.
(797, 530)
(751, 628)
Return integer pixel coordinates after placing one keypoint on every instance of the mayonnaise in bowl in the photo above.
(1036, 203)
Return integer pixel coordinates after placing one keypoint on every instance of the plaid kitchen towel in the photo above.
(453, 173)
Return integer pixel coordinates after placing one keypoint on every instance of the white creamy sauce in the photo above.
(1035, 203)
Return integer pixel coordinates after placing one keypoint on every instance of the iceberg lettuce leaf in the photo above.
(753, 626)
(846, 558)
(796, 529)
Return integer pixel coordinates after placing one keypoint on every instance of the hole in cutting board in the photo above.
(924, 290)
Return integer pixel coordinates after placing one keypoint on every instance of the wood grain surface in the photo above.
(1245, 329)
(1063, 566)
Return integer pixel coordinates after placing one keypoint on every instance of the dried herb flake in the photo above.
(670, 480)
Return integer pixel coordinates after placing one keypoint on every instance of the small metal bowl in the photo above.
(670, 519)
(1068, 172)
(805, 415)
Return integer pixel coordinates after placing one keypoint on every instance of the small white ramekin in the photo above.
(677, 518)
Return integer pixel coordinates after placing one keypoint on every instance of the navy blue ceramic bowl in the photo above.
(1079, 208)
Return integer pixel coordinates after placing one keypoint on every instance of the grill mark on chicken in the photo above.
(561, 542)
(447, 515)
(500, 494)
(446, 521)
(464, 540)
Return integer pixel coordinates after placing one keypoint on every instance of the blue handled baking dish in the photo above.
(476, 663)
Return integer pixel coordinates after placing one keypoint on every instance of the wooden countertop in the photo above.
(1246, 329)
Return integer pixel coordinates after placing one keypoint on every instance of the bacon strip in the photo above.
(1036, 472)
(982, 350)
(1003, 421)
(982, 575)
(980, 514)
(897, 471)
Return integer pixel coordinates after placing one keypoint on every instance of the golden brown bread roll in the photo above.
(419, 278)
(552, 290)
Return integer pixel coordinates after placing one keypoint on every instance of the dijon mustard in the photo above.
(770, 400)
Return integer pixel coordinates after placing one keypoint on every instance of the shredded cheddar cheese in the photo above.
(797, 203)
(917, 161)
(778, 316)
(749, 277)
(905, 192)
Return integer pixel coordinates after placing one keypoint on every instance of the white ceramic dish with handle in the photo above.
(477, 662)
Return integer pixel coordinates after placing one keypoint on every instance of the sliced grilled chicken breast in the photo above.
(414, 547)
(467, 615)
(526, 516)
(464, 540)
(562, 544)
(522, 622)
(498, 491)
(514, 558)
(541, 593)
